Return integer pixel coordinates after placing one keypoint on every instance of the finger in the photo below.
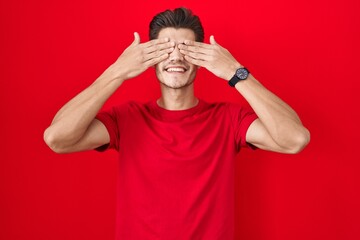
(156, 41)
(158, 53)
(196, 55)
(196, 62)
(212, 40)
(136, 38)
(195, 49)
(159, 47)
(156, 60)
(198, 44)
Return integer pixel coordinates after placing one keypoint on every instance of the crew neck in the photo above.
(174, 115)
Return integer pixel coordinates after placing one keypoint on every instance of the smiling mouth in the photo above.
(177, 69)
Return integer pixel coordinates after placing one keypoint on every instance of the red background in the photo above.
(305, 51)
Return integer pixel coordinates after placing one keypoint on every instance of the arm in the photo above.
(278, 127)
(74, 127)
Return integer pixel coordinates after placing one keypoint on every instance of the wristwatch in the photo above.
(240, 74)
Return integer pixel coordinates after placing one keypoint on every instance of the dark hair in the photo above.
(178, 18)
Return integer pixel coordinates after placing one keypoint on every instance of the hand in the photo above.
(213, 57)
(140, 56)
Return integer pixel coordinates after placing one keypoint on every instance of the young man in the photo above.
(176, 154)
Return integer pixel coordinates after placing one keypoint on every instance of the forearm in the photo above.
(74, 118)
(279, 128)
(279, 119)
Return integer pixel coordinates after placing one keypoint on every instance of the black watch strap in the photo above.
(240, 74)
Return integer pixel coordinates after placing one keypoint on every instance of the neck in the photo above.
(177, 99)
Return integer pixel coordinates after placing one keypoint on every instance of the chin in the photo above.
(176, 84)
(176, 77)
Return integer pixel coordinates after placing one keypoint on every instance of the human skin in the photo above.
(74, 127)
(176, 57)
(278, 127)
(175, 74)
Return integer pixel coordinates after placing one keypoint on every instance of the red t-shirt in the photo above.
(176, 169)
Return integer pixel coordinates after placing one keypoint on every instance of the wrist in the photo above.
(113, 73)
(241, 74)
(232, 70)
(242, 86)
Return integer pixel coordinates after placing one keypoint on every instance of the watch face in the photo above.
(242, 73)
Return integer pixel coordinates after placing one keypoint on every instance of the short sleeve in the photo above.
(110, 119)
(241, 117)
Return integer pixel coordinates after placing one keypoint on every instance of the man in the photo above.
(176, 154)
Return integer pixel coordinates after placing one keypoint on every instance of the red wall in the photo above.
(307, 52)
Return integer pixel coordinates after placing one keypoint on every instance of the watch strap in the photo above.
(234, 80)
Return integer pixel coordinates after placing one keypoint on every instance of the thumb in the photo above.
(136, 38)
(212, 40)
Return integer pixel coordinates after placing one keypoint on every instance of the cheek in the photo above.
(194, 68)
(157, 68)
(160, 66)
(158, 72)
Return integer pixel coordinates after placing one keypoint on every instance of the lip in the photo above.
(176, 66)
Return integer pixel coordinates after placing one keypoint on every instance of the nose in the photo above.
(176, 55)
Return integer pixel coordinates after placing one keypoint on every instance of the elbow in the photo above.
(300, 141)
(53, 142)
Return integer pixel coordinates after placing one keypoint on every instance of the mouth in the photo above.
(175, 69)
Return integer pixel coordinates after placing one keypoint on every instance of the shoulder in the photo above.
(121, 111)
(236, 112)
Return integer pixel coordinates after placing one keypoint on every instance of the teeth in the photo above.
(175, 70)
